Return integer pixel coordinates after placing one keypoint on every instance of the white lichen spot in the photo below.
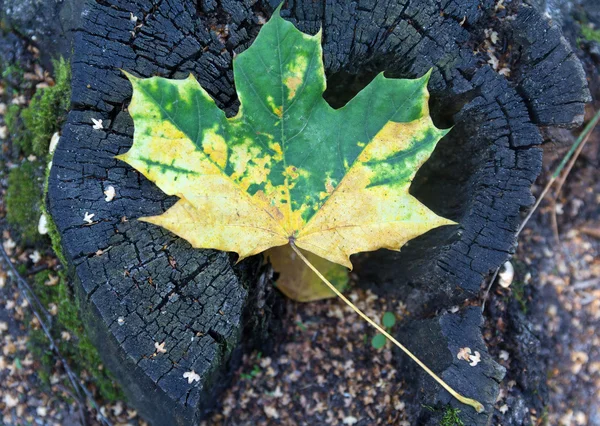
(97, 124)
(87, 218)
(191, 376)
(109, 193)
(43, 225)
(120, 321)
(503, 409)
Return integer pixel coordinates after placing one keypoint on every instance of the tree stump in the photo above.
(139, 286)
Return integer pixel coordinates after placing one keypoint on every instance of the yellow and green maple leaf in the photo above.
(287, 167)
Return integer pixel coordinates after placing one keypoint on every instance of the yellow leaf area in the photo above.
(215, 212)
(287, 167)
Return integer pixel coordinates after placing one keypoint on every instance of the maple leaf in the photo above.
(288, 167)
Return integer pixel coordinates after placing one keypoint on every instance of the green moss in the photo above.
(590, 34)
(31, 129)
(11, 118)
(14, 124)
(12, 74)
(23, 199)
(12, 71)
(520, 295)
(451, 418)
(39, 346)
(78, 350)
(45, 114)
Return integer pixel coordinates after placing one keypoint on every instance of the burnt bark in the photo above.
(138, 284)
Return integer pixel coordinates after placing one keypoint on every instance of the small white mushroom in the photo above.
(43, 224)
(53, 142)
(506, 275)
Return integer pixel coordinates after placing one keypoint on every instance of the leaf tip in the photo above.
(121, 157)
(447, 222)
(427, 75)
(149, 219)
(277, 12)
(319, 34)
(132, 78)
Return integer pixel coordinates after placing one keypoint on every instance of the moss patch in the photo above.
(30, 130)
(590, 34)
(451, 418)
(11, 118)
(12, 74)
(69, 335)
(35, 124)
(23, 201)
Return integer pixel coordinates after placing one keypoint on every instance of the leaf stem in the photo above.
(468, 401)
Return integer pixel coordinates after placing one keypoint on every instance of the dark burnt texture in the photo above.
(438, 340)
(137, 284)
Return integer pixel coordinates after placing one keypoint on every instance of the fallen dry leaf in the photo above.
(191, 376)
